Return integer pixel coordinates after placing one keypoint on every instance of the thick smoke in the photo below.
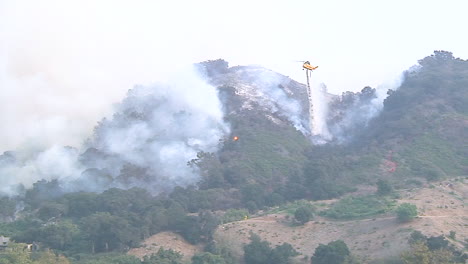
(156, 131)
(320, 101)
(273, 87)
(281, 99)
(350, 113)
(20, 169)
(148, 141)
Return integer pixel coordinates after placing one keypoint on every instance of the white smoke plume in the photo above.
(157, 129)
(351, 112)
(320, 132)
(274, 88)
(147, 142)
(19, 170)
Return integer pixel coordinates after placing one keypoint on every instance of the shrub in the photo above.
(406, 212)
(334, 252)
(303, 214)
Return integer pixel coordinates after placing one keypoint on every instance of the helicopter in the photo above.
(309, 67)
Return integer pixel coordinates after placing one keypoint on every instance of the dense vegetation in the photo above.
(358, 207)
(421, 132)
(260, 252)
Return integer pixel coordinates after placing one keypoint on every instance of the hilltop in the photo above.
(241, 144)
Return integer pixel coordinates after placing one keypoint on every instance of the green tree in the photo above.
(335, 252)
(208, 223)
(282, 254)
(158, 218)
(81, 204)
(384, 187)
(7, 207)
(233, 215)
(50, 210)
(107, 258)
(406, 212)
(48, 257)
(417, 237)
(16, 255)
(163, 257)
(303, 214)
(108, 232)
(58, 235)
(421, 254)
(43, 191)
(257, 251)
(260, 252)
(437, 242)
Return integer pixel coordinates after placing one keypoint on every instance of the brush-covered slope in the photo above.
(423, 126)
(267, 113)
(419, 134)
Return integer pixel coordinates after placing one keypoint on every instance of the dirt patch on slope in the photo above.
(166, 240)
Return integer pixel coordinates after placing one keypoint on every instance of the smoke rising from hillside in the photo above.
(320, 133)
(147, 142)
(351, 112)
(273, 87)
(156, 130)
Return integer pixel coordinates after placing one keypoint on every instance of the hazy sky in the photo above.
(63, 63)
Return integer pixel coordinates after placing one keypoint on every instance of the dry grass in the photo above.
(442, 209)
(167, 240)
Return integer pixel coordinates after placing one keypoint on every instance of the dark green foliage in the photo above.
(49, 210)
(406, 212)
(80, 204)
(107, 258)
(164, 257)
(7, 207)
(435, 248)
(43, 191)
(207, 258)
(437, 242)
(433, 242)
(108, 232)
(260, 252)
(257, 251)
(354, 207)
(223, 251)
(417, 237)
(58, 235)
(253, 196)
(266, 152)
(233, 215)
(384, 187)
(334, 252)
(452, 234)
(282, 254)
(425, 119)
(303, 214)
(198, 228)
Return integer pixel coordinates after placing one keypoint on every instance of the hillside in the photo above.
(425, 122)
(240, 144)
(442, 209)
